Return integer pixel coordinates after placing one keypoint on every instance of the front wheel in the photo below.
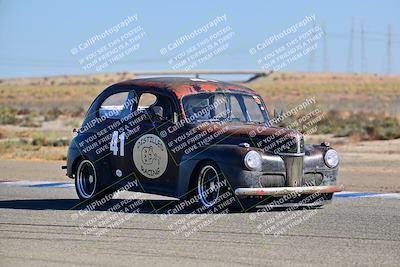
(211, 187)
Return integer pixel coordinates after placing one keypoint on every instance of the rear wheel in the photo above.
(87, 182)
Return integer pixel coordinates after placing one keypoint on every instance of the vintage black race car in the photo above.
(196, 139)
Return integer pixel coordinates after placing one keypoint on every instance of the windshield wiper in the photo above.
(255, 122)
(210, 120)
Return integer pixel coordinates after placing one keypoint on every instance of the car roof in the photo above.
(183, 86)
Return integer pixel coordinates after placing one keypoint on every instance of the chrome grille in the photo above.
(294, 170)
(272, 180)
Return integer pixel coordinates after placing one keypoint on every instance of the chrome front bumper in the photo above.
(281, 191)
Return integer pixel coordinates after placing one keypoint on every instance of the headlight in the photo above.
(252, 160)
(331, 158)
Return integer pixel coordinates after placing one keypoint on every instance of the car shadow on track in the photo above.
(116, 205)
(146, 206)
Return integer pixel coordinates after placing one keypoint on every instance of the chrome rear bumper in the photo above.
(281, 191)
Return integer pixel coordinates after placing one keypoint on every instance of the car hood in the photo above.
(272, 139)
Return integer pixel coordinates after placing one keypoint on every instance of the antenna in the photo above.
(350, 63)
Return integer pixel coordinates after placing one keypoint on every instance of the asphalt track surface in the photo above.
(41, 226)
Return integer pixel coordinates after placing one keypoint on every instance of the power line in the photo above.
(389, 50)
(350, 61)
(311, 58)
(325, 51)
(363, 54)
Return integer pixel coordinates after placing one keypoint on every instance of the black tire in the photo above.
(328, 196)
(87, 182)
(209, 186)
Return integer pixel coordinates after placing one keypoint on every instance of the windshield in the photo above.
(225, 106)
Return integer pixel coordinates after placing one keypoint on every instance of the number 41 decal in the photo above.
(114, 143)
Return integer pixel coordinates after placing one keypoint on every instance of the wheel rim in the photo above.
(86, 179)
(208, 186)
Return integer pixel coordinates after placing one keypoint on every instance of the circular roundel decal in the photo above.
(150, 156)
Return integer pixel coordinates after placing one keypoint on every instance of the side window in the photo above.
(155, 104)
(115, 106)
(220, 106)
(236, 111)
(146, 100)
(196, 106)
(253, 109)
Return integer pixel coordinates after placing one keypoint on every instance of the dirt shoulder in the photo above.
(32, 170)
(372, 166)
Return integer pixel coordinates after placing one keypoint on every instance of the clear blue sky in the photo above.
(37, 36)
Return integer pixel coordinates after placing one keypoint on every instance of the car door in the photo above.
(114, 116)
(146, 152)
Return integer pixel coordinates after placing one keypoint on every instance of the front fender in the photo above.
(230, 161)
(228, 157)
(314, 164)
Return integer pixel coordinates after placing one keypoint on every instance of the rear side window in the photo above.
(156, 104)
(115, 106)
(146, 100)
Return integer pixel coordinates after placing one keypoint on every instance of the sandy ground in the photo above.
(372, 166)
